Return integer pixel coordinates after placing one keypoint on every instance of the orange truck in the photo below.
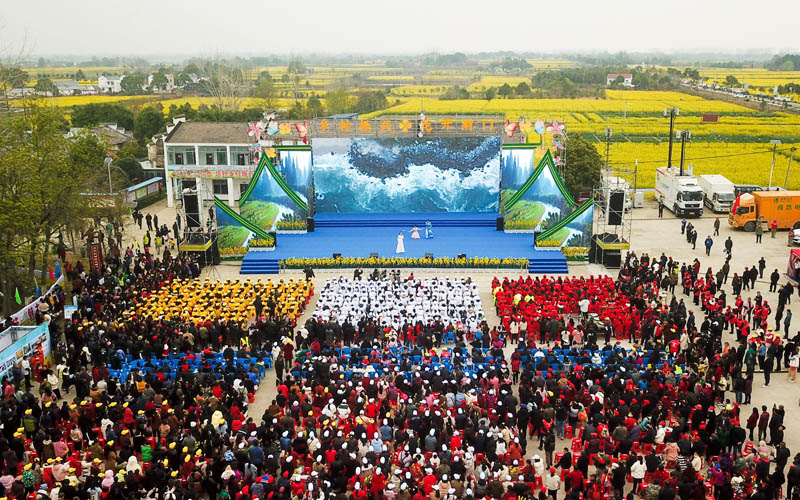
(780, 206)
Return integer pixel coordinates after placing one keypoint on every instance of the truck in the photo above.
(783, 207)
(612, 183)
(679, 193)
(718, 192)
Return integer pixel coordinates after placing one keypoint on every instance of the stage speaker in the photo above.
(337, 256)
(501, 223)
(215, 252)
(310, 224)
(616, 206)
(192, 208)
(462, 256)
(373, 255)
(612, 259)
(429, 256)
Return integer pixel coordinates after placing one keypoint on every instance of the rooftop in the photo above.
(209, 133)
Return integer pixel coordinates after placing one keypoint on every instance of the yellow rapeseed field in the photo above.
(497, 81)
(743, 163)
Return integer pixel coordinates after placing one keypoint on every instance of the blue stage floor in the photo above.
(359, 235)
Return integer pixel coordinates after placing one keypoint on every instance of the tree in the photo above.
(133, 169)
(93, 114)
(490, 93)
(314, 106)
(522, 89)
(11, 77)
(583, 164)
(134, 84)
(45, 86)
(49, 173)
(132, 149)
(226, 83)
(265, 92)
(159, 81)
(149, 122)
(371, 101)
(505, 91)
(731, 81)
(338, 101)
(79, 75)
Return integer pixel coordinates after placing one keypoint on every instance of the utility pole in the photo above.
(108, 161)
(774, 143)
(608, 144)
(671, 113)
(684, 135)
(791, 157)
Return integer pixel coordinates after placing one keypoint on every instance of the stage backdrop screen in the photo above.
(407, 175)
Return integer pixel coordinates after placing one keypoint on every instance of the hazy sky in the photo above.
(216, 27)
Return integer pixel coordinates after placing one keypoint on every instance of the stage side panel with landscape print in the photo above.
(406, 175)
(542, 204)
(268, 205)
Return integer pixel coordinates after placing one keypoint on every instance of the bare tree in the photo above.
(226, 82)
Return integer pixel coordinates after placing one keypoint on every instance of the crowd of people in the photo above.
(399, 389)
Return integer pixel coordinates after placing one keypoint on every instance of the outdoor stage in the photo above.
(359, 235)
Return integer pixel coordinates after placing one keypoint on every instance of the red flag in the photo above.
(50, 273)
(736, 203)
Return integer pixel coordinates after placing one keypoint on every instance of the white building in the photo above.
(627, 79)
(209, 159)
(110, 84)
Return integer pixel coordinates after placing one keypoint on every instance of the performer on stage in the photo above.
(400, 246)
(428, 229)
(415, 233)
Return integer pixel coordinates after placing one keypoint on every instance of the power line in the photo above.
(705, 157)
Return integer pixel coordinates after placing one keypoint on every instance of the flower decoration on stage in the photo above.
(525, 126)
(302, 131)
(255, 147)
(556, 128)
(272, 127)
(255, 129)
(256, 150)
(511, 127)
(557, 160)
(285, 128)
(405, 125)
(557, 144)
(270, 152)
(538, 126)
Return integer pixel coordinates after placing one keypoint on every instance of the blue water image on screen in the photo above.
(406, 175)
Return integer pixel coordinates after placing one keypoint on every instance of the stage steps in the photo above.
(548, 262)
(259, 263)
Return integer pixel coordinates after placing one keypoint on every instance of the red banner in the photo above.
(96, 257)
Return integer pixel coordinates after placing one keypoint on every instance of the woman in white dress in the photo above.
(401, 248)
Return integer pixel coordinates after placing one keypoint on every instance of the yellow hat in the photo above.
(166, 462)
(111, 443)
(28, 411)
(112, 404)
(125, 431)
(172, 446)
(185, 449)
(174, 473)
(198, 452)
(28, 466)
(188, 457)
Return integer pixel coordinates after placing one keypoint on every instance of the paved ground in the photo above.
(649, 234)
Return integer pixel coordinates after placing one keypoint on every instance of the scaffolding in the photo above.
(614, 199)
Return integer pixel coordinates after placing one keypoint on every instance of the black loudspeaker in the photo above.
(616, 206)
(429, 256)
(192, 209)
(214, 252)
(612, 259)
(501, 223)
(337, 256)
(373, 255)
(310, 224)
(462, 256)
